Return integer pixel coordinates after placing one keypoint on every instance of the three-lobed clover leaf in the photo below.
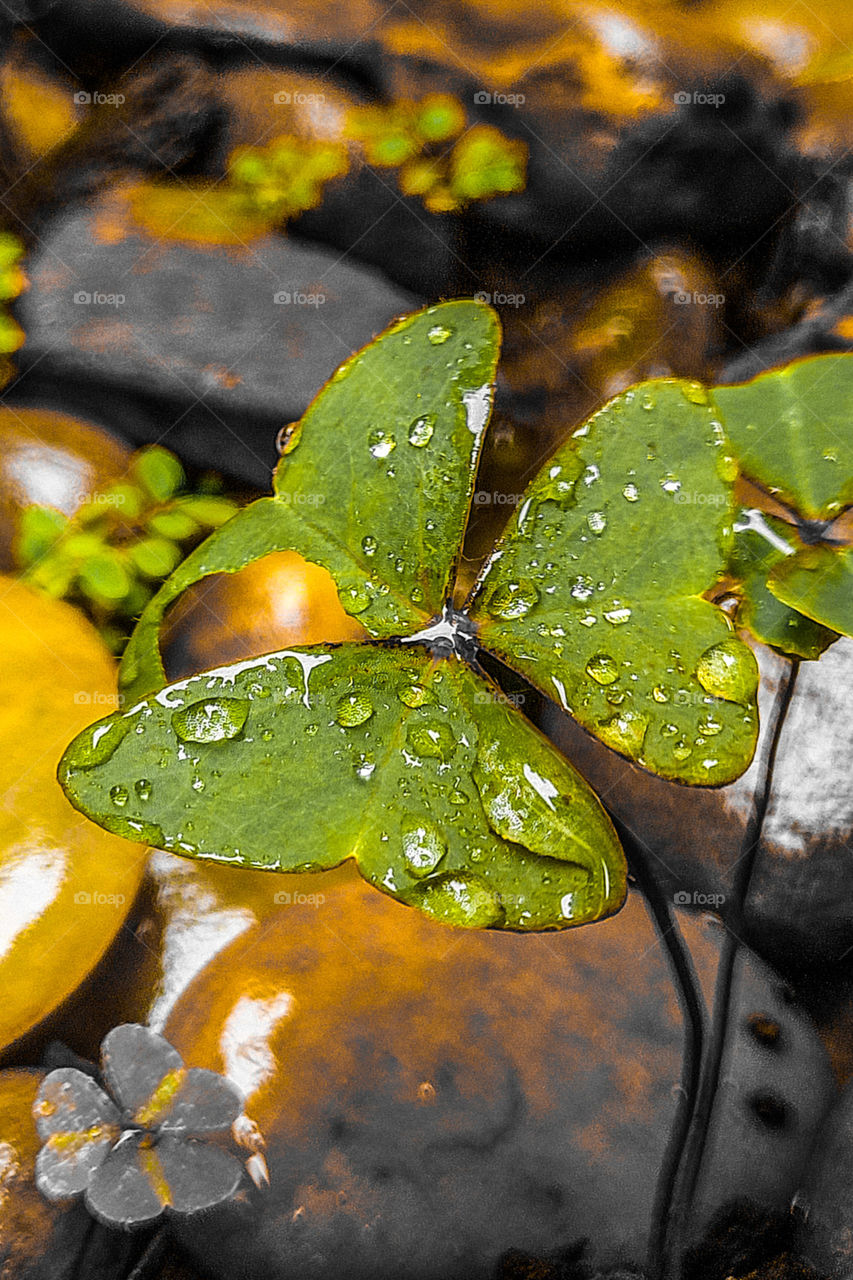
(400, 752)
(136, 1151)
(790, 430)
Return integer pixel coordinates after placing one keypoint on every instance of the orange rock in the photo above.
(53, 460)
(276, 602)
(65, 885)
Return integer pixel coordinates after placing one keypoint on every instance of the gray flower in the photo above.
(136, 1153)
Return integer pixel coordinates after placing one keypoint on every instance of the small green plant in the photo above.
(112, 554)
(12, 283)
(600, 593)
(413, 137)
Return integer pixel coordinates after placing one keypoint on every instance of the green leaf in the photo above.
(596, 591)
(759, 546)
(818, 581)
(446, 797)
(176, 525)
(378, 476)
(154, 557)
(375, 483)
(38, 530)
(790, 429)
(160, 472)
(104, 577)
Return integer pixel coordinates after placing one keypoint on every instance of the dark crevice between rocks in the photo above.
(695, 1144)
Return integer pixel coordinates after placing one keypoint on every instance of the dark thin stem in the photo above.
(687, 992)
(695, 1145)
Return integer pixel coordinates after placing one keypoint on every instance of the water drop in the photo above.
(198, 784)
(588, 620)
(617, 616)
(695, 393)
(727, 468)
(728, 670)
(602, 668)
(438, 334)
(423, 849)
(354, 597)
(414, 695)
(365, 768)
(669, 484)
(431, 739)
(369, 545)
(648, 403)
(97, 744)
(210, 720)
(669, 730)
(143, 789)
(830, 455)
(624, 732)
(421, 431)
(682, 749)
(513, 599)
(582, 588)
(660, 694)
(591, 474)
(381, 443)
(710, 726)
(119, 795)
(459, 900)
(597, 521)
(631, 492)
(353, 710)
(288, 438)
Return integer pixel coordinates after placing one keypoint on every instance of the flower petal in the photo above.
(122, 1192)
(70, 1102)
(204, 1102)
(66, 1162)
(138, 1064)
(198, 1174)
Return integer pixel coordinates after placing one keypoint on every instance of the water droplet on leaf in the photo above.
(210, 720)
(143, 788)
(119, 795)
(597, 521)
(728, 670)
(459, 900)
(423, 849)
(354, 710)
(602, 668)
(288, 438)
(421, 431)
(432, 739)
(438, 334)
(631, 492)
(513, 599)
(369, 545)
(381, 443)
(414, 695)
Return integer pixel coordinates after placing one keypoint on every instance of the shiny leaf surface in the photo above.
(818, 581)
(790, 430)
(759, 547)
(374, 483)
(444, 794)
(596, 591)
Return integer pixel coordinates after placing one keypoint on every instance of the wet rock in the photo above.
(801, 898)
(53, 460)
(432, 1098)
(826, 1234)
(214, 347)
